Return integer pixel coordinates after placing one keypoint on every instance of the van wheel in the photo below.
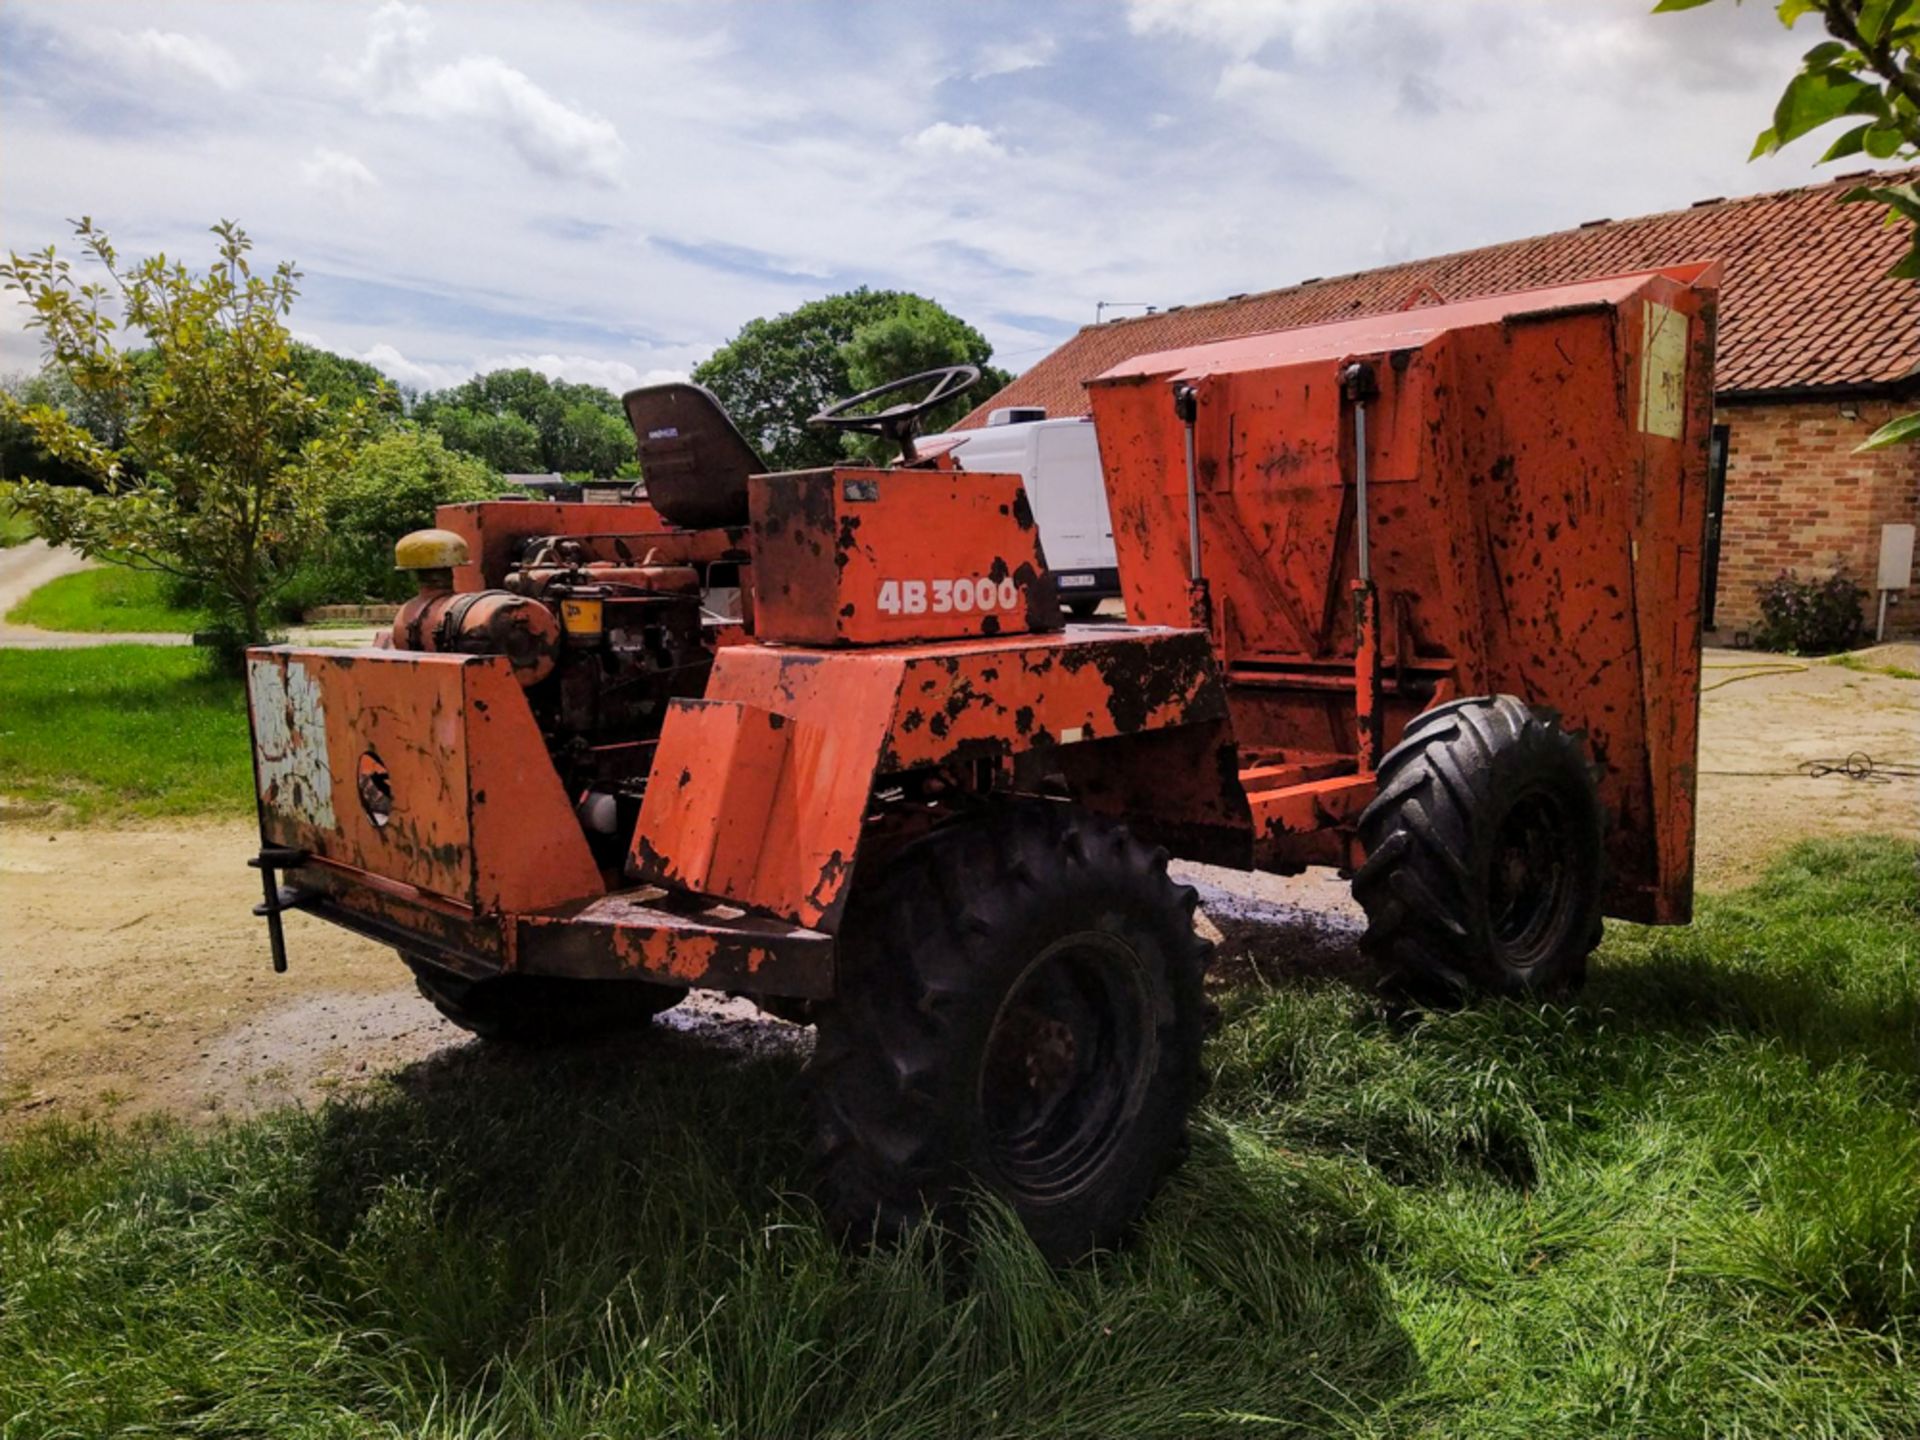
(1486, 853)
(1019, 1008)
(536, 1009)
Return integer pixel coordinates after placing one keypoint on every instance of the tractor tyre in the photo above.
(1020, 1009)
(1486, 854)
(539, 1009)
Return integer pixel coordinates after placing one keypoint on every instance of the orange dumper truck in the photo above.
(1414, 596)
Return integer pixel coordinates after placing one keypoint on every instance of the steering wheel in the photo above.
(897, 422)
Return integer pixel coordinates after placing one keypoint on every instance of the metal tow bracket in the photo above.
(273, 858)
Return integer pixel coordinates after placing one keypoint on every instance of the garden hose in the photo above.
(1857, 766)
(1756, 669)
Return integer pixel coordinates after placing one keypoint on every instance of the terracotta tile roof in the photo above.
(1806, 301)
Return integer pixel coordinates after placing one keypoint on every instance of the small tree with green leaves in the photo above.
(218, 464)
(1866, 73)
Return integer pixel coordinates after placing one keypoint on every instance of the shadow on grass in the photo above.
(1777, 960)
(625, 1225)
(1281, 947)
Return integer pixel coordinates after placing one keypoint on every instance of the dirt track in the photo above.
(24, 568)
(136, 980)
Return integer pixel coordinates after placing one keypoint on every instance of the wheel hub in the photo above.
(1528, 886)
(1068, 1056)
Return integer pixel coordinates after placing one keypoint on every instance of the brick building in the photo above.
(1817, 348)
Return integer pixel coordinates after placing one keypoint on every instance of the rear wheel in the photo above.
(531, 1009)
(1485, 852)
(1020, 1008)
(1083, 609)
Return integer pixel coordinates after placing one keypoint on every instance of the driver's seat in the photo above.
(693, 457)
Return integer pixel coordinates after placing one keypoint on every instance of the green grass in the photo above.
(110, 598)
(123, 730)
(15, 528)
(1866, 667)
(1684, 1207)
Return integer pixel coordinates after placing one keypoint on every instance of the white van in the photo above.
(1060, 462)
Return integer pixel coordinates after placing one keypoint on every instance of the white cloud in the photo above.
(186, 57)
(780, 164)
(1010, 57)
(615, 375)
(399, 368)
(946, 140)
(1243, 28)
(394, 77)
(342, 176)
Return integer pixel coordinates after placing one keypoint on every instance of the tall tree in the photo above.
(913, 336)
(220, 467)
(342, 381)
(519, 420)
(777, 372)
(392, 485)
(506, 442)
(1868, 74)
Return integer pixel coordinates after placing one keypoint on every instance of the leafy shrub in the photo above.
(391, 486)
(1809, 617)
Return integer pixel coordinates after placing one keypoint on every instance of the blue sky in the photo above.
(608, 191)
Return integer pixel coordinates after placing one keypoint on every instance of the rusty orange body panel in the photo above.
(857, 556)
(423, 770)
(713, 946)
(762, 789)
(1536, 518)
(417, 794)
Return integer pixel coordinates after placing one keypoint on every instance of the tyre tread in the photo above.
(1448, 772)
(895, 1013)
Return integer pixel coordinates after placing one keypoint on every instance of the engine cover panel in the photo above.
(864, 556)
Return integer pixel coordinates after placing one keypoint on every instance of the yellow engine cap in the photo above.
(429, 550)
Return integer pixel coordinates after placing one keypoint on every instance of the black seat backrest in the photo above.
(693, 457)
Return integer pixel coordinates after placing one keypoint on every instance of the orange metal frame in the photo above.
(494, 529)
(761, 790)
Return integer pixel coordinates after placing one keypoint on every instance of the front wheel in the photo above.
(1486, 853)
(1019, 1008)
